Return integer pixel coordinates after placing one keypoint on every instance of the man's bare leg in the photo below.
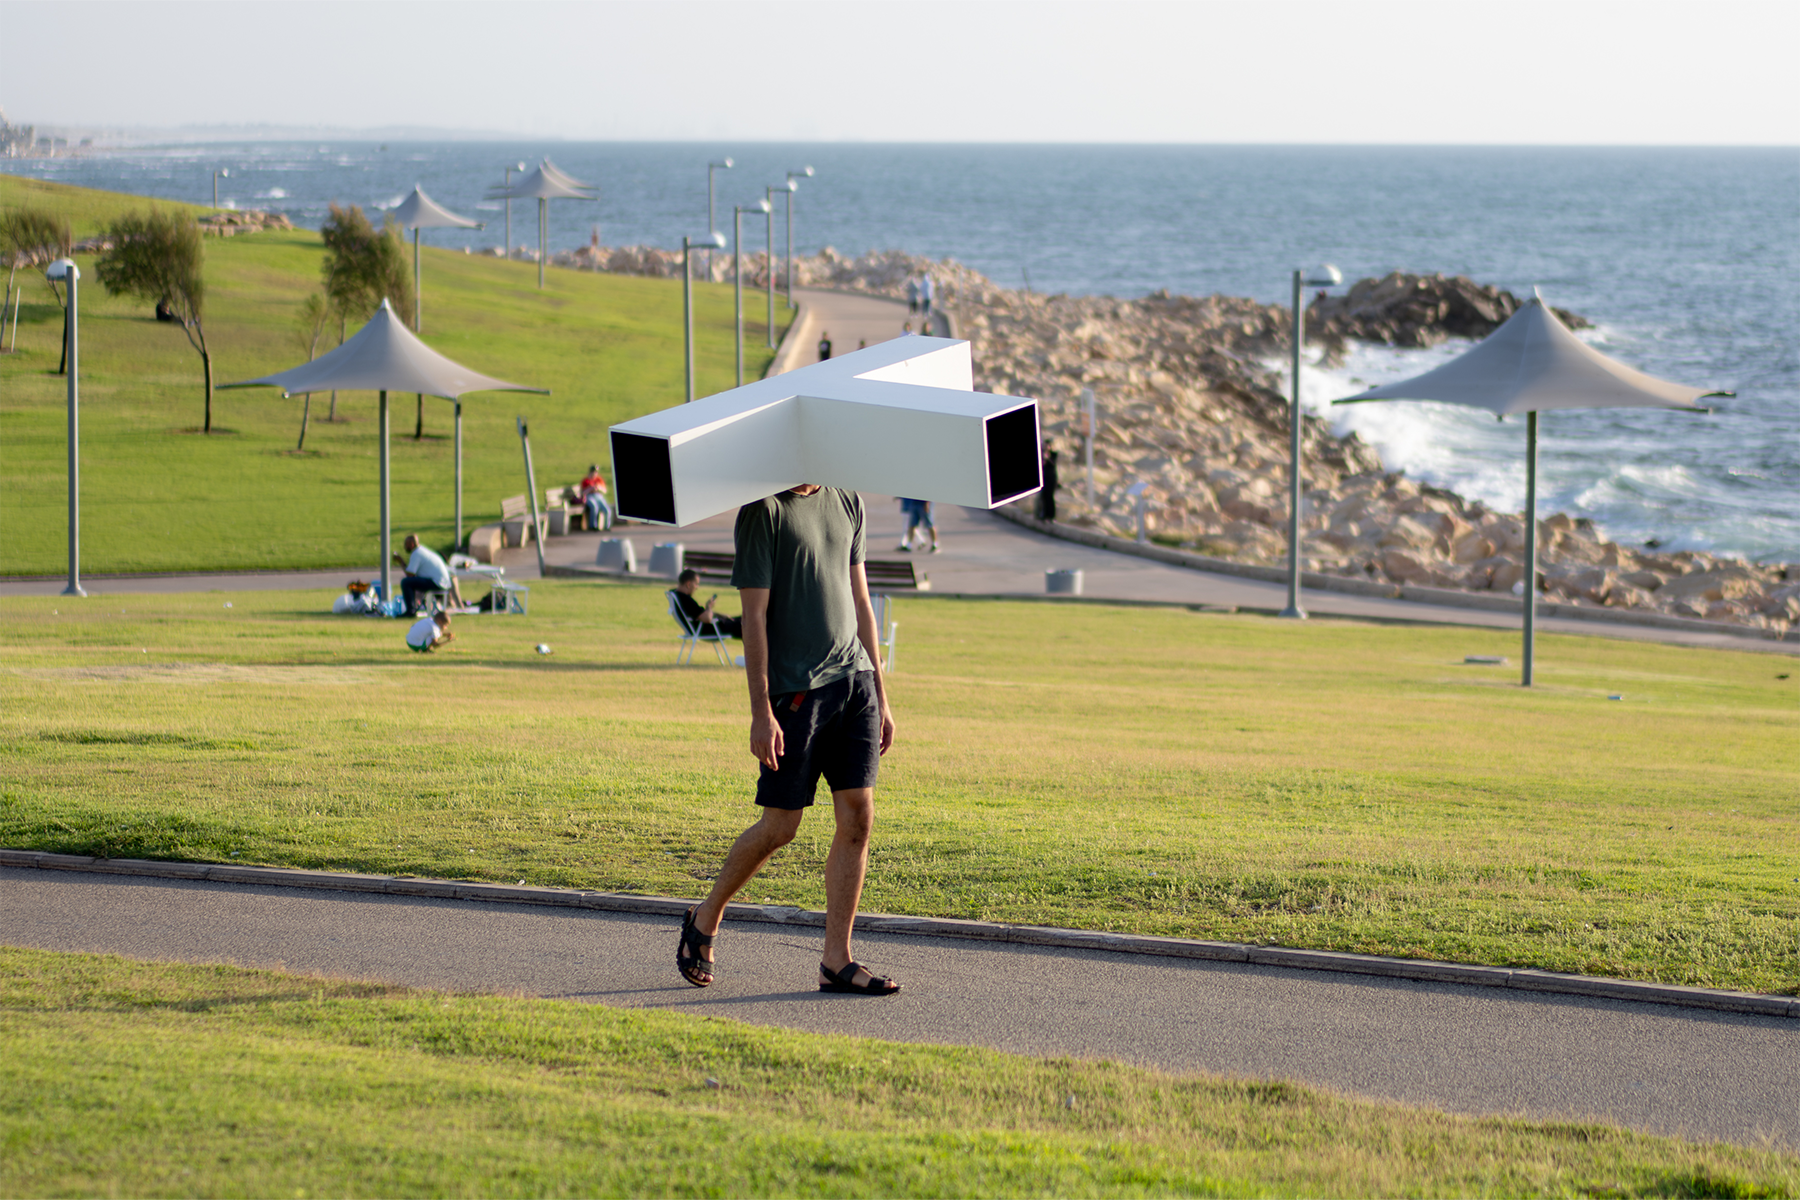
(845, 868)
(754, 847)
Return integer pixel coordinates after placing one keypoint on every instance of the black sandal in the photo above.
(692, 965)
(845, 981)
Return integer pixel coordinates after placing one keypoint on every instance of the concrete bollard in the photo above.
(665, 559)
(1062, 583)
(617, 554)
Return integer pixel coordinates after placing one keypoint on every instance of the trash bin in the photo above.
(1062, 583)
(665, 559)
(617, 554)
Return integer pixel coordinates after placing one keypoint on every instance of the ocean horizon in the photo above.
(1683, 257)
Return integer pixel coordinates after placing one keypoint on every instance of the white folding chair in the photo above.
(693, 633)
(887, 630)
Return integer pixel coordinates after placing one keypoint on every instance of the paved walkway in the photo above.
(1703, 1075)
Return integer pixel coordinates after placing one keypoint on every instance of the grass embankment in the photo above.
(149, 1079)
(159, 496)
(1327, 785)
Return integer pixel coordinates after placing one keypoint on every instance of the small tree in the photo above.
(309, 327)
(29, 236)
(363, 267)
(159, 257)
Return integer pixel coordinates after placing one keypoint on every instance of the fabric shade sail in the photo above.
(544, 184)
(384, 356)
(1534, 364)
(419, 211)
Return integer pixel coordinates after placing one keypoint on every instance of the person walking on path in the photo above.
(918, 516)
(925, 301)
(912, 296)
(818, 707)
(824, 346)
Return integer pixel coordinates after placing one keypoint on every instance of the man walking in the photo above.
(818, 706)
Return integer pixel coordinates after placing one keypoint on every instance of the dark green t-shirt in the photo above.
(801, 548)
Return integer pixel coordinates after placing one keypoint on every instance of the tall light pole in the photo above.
(64, 269)
(792, 187)
(737, 272)
(221, 173)
(1325, 276)
(712, 222)
(520, 167)
(769, 261)
(712, 241)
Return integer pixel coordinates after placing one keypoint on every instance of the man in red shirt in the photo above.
(593, 498)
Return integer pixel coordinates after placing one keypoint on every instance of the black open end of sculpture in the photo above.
(641, 471)
(1014, 466)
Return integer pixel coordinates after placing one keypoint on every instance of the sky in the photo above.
(1578, 72)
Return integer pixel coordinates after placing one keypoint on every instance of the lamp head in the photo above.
(763, 204)
(518, 166)
(807, 171)
(224, 172)
(791, 185)
(724, 166)
(62, 268)
(1324, 275)
(715, 239)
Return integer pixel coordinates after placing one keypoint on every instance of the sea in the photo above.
(1687, 261)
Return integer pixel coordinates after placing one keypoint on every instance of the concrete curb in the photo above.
(1447, 597)
(988, 931)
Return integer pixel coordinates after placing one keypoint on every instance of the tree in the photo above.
(364, 266)
(159, 257)
(30, 236)
(309, 327)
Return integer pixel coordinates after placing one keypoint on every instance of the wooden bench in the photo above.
(515, 518)
(884, 574)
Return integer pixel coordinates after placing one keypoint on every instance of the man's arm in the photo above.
(867, 634)
(765, 735)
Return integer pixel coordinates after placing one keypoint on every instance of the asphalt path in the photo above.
(1683, 1072)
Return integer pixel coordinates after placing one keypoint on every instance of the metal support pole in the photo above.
(74, 588)
(790, 253)
(687, 310)
(537, 527)
(459, 515)
(737, 275)
(418, 290)
(1531, 543)
(387, 546)
(1087, 396)
(769, 262)
(1295, 422)
(543, 223)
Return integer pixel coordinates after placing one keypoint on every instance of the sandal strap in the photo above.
(690, 932)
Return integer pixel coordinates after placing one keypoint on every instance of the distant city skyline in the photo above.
(1211, 71)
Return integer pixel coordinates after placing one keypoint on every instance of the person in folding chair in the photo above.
(818, 707)
(702, 616)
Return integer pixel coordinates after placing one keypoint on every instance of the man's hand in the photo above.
(887, 726)
(765, 739)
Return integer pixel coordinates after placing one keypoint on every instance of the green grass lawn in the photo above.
(1329, 785)
(159, 496)
(157, 1079)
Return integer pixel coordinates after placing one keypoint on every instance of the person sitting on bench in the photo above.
(592, 489)
(703, 616)
(425, 572)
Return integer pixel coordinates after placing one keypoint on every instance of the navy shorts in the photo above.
(834, 731)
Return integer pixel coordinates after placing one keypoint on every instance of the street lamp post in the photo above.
(792, 187)
(221, 173)
(64, 269)
(1325, 276)
(737, 272)
(769, 261)
(712, 241)
(509, 170)
(712, 222)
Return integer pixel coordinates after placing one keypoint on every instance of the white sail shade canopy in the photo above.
(384, 357)
(543, 185)
(1533, 364)
(419, 211)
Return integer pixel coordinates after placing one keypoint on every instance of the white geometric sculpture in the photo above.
(900, 418)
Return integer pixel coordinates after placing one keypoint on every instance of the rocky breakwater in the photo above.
(1190, 405)
(230, 222)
